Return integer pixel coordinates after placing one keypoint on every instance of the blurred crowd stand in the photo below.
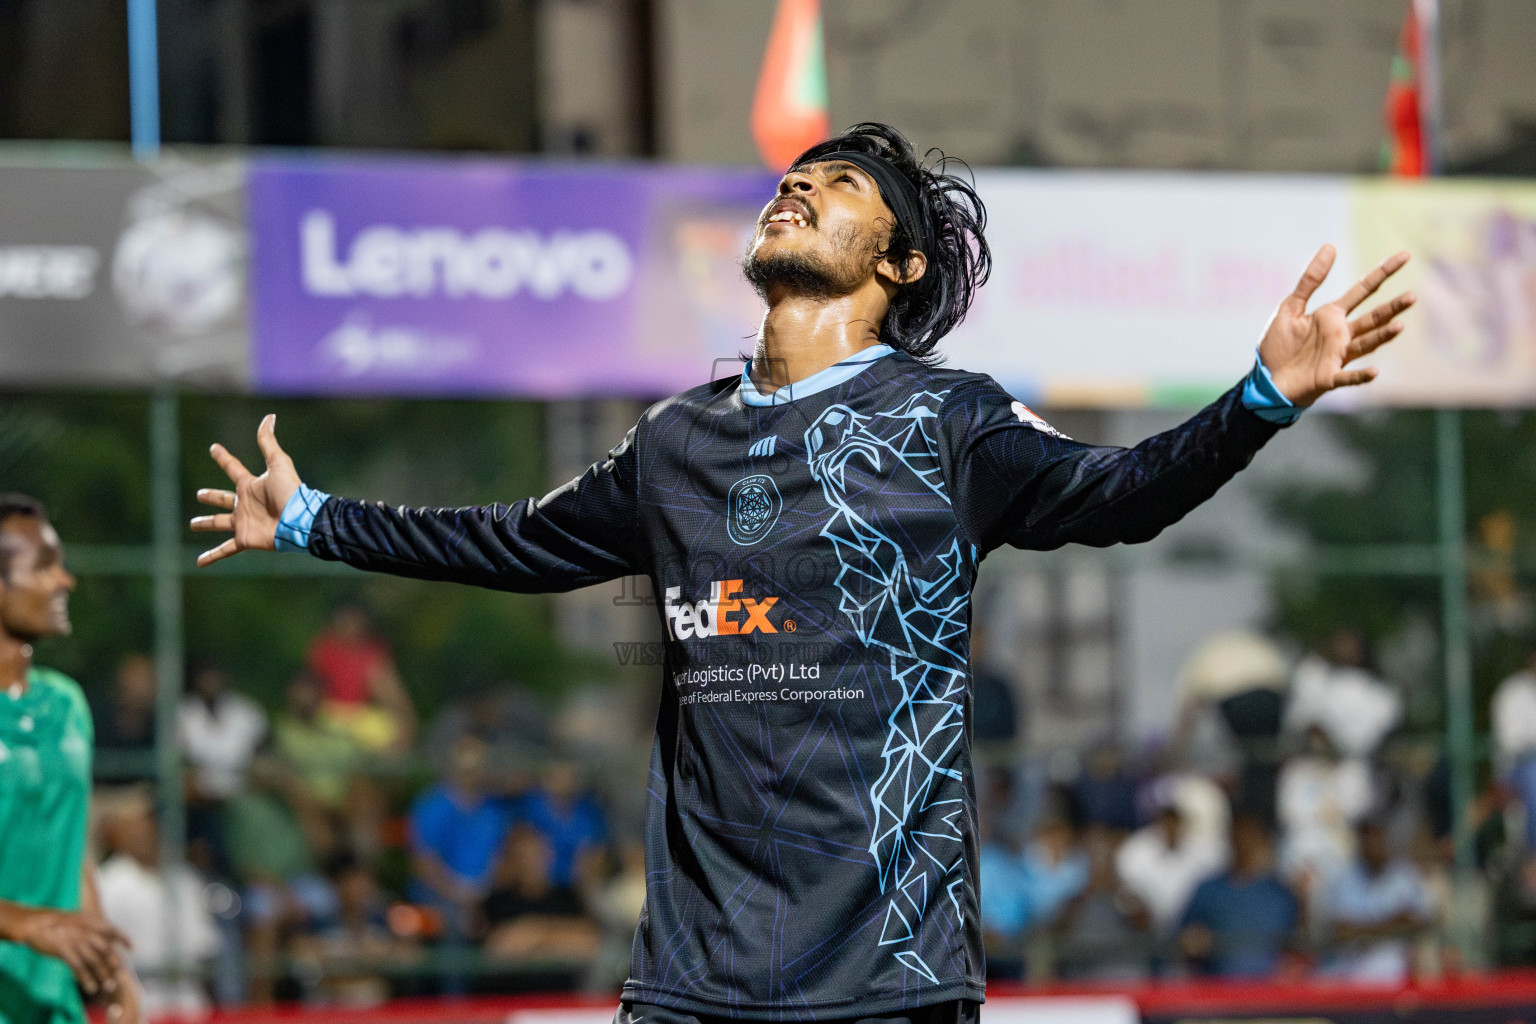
(1289, 828)
(340, 852)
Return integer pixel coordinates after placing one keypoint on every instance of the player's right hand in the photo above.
(255, 505)
(86, 942)
(126, 1004)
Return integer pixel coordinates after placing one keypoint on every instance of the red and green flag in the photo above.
(1412, 93)
(789, 111)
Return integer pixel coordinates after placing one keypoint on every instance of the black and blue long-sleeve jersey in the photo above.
(811, 838)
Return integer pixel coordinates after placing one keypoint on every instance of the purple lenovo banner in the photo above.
(490, 278)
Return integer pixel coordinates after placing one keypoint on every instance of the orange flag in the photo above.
(789, 111)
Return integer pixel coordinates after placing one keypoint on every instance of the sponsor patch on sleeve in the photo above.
(1027, 415)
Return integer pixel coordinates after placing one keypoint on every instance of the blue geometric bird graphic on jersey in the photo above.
(921, 625)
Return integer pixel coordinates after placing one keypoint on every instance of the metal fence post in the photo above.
(170, 647)
(165, 486)
(1456, 643)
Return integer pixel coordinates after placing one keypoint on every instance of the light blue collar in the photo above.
(831, 377)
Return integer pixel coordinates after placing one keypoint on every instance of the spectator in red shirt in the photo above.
(363, 691)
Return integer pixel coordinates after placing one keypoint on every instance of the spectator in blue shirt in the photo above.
(456, 831)
(1376, 906)
(570, 821)
(1239, 922)
(1028, 889)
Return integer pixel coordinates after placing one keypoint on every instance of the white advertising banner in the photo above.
(1109, 289)
(1134, 289)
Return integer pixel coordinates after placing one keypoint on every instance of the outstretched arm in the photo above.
(583, 533)
(1016, 481)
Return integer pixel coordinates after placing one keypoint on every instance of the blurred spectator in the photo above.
(1103, 933)
(616, 906)
(346, 956)
(336, 802)
(456, 832)
(1002, 880)
(1242, 677)
(1004, 892)
(219, 733)
(570, 820)
(1105, 790)
(1239, 922)
(1338, 693)
(1004, 811)
(1375, 907)
(513, 726)
(1163, 863)
(1321, 797)
(1514, 741)
(125, 720)
(284, 893)
(1020, 891)
(1230, 665)
(362, 689)
(528, 915)
(1055, 863)
(994, 712)
(164, 916)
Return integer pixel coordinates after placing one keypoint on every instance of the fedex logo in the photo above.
(722, 613)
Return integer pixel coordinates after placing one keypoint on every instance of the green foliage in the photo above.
(1394, 501)
(86, 457)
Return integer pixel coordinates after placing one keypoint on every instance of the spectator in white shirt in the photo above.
(220, 732)
(1321, 798)
(172, 931)
(1163, 862)
(1514, 742)
(1339, 694)
(1375, 907)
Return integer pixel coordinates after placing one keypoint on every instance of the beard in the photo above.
(809, 274)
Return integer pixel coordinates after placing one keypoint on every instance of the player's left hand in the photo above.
(1306, 353)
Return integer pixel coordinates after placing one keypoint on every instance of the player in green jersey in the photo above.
(52, 932)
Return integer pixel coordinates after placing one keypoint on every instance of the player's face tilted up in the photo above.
(824, 235)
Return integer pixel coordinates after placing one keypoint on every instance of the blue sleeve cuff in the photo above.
(299, 518)
(1265, 399)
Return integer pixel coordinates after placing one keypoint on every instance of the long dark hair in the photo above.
(959, 260)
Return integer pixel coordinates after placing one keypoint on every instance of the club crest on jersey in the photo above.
(752, 507)
(723, 613)
(1027, 415)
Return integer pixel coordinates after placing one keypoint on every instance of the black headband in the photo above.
(895, 188)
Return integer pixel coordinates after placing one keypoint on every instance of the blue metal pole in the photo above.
(165, 490)
(144, 79)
